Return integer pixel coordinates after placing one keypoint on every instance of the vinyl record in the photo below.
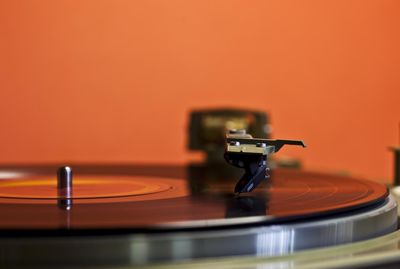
(158, 198)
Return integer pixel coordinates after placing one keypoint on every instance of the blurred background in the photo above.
(114, 81)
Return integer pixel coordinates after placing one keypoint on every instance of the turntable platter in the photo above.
(133, 215)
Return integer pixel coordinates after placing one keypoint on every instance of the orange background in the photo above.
(104, 81)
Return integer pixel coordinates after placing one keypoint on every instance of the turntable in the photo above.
(120, 216)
